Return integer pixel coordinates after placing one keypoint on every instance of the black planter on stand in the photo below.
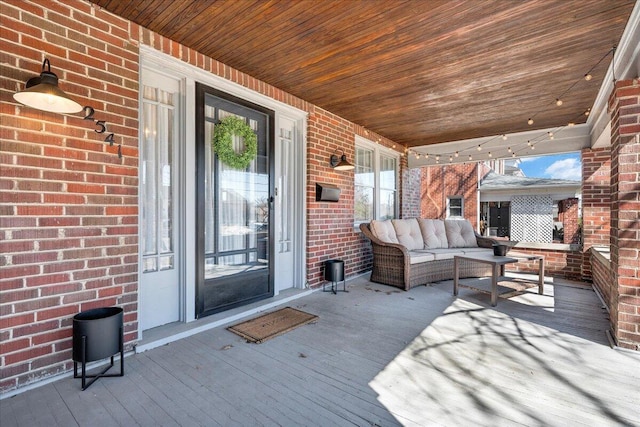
(97, 334)
(334, 273)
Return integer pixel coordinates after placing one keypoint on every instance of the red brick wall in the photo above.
(330, 231)
(624, 105)
(439, 182)
(568, 215)
(563, 264)
(69, 224)
(603, 277)
(596, 202)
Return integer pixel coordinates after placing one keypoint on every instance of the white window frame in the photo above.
(449, 198)
(379, 151)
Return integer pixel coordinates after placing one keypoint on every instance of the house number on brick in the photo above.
(101, 128)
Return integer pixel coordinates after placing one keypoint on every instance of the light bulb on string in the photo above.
(571, 124)
(504, 137)
(490, 155)
(437, 158)
(456, 154)
(479, 147)
(529, 143)
(533, 147)
(558, 102)
(450, 159)
(530, 121)
(588, 76)
(426, 156)
(586, 113)
(509, 149)
(513, 154)
(550, 135)
(470, 158)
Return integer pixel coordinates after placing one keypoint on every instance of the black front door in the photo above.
(234, 206)
(500, 218)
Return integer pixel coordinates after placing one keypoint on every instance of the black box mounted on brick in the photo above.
(327, 193)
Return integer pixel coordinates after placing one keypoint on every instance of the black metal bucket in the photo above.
(334, 273)
(97, 334)
(500, 250)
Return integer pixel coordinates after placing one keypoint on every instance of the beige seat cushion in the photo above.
(433, 233)
(439, 254)
(416, 257)
(460, 233)
(384, 231)
(408, 232)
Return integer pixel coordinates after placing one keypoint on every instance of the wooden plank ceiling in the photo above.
(418, 72)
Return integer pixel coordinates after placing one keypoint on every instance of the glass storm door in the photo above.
(159, 283)
(234, 206)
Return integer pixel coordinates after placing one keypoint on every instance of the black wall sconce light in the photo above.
(340, 163)
(44, 94)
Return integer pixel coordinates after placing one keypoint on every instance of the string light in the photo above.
(512, 150)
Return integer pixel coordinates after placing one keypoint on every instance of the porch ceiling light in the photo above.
(44, 94)
(340, 163)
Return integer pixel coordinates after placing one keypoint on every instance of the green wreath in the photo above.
(223, 144)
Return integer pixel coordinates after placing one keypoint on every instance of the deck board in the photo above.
(375, 356)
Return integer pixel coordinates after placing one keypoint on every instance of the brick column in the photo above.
(569, 217)
(624, 105)
(596, 202)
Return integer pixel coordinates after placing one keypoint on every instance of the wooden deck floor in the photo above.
(377, 356)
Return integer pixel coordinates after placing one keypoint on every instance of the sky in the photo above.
(557, 166)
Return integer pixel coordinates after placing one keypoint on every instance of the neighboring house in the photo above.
(529, 209)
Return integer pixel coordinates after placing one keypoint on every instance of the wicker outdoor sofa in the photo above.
(418, 251)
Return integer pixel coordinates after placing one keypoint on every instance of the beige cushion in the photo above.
(460, 233)
(433, 233)
(416, 257)
(408, 232)
(384, 231)
(439, 254)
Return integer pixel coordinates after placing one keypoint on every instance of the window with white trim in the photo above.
(455, 207)
(375, 182)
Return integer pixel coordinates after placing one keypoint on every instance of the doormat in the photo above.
(271, 325)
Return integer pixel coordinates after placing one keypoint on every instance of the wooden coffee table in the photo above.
(497, 264)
